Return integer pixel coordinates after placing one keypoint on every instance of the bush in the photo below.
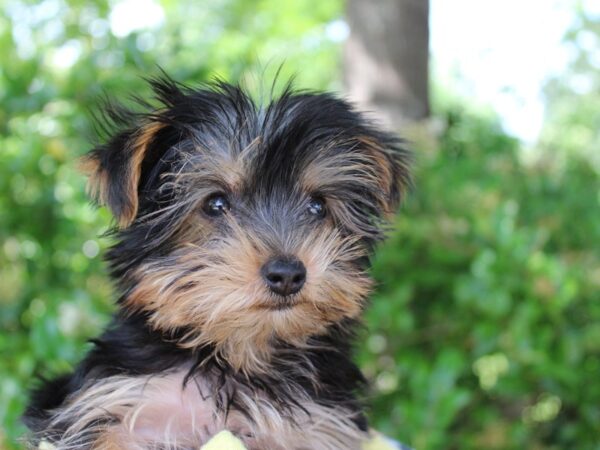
(485, 327)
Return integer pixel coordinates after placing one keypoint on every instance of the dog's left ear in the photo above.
(115, 169)
(393, 163)
(399, 162)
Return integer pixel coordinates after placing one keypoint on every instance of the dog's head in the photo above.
(241, 226)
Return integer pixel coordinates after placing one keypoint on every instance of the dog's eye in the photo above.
(216, 204)
(316, 207)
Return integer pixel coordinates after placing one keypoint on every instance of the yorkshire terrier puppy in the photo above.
(242, 241)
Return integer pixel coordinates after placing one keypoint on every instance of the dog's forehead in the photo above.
(285, 145)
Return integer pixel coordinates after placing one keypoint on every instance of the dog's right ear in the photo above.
(114, 170)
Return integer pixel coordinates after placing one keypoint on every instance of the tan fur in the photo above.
(218, 292)
(97, 185)
(98, 182)
(138, 148)
(383, 161)
(157, 410)
(113, 439)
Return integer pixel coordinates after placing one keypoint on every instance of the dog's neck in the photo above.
(322, 368)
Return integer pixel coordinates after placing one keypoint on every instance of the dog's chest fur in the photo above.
(162, 411)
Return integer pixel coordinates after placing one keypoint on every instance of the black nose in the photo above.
(284, 275)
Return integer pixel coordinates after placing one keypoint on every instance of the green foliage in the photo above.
(572, 127)
(484, 330)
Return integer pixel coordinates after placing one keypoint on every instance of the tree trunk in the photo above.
(387, 59)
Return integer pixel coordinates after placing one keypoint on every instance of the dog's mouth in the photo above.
(280, 303)
(283, 305)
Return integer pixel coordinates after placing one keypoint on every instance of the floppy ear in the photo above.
(115, 169)
(393, 163)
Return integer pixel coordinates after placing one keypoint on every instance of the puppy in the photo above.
(242, 238)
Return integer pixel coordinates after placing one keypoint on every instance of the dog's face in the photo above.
(243, 226)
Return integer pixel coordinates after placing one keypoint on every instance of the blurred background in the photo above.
(484, 331)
